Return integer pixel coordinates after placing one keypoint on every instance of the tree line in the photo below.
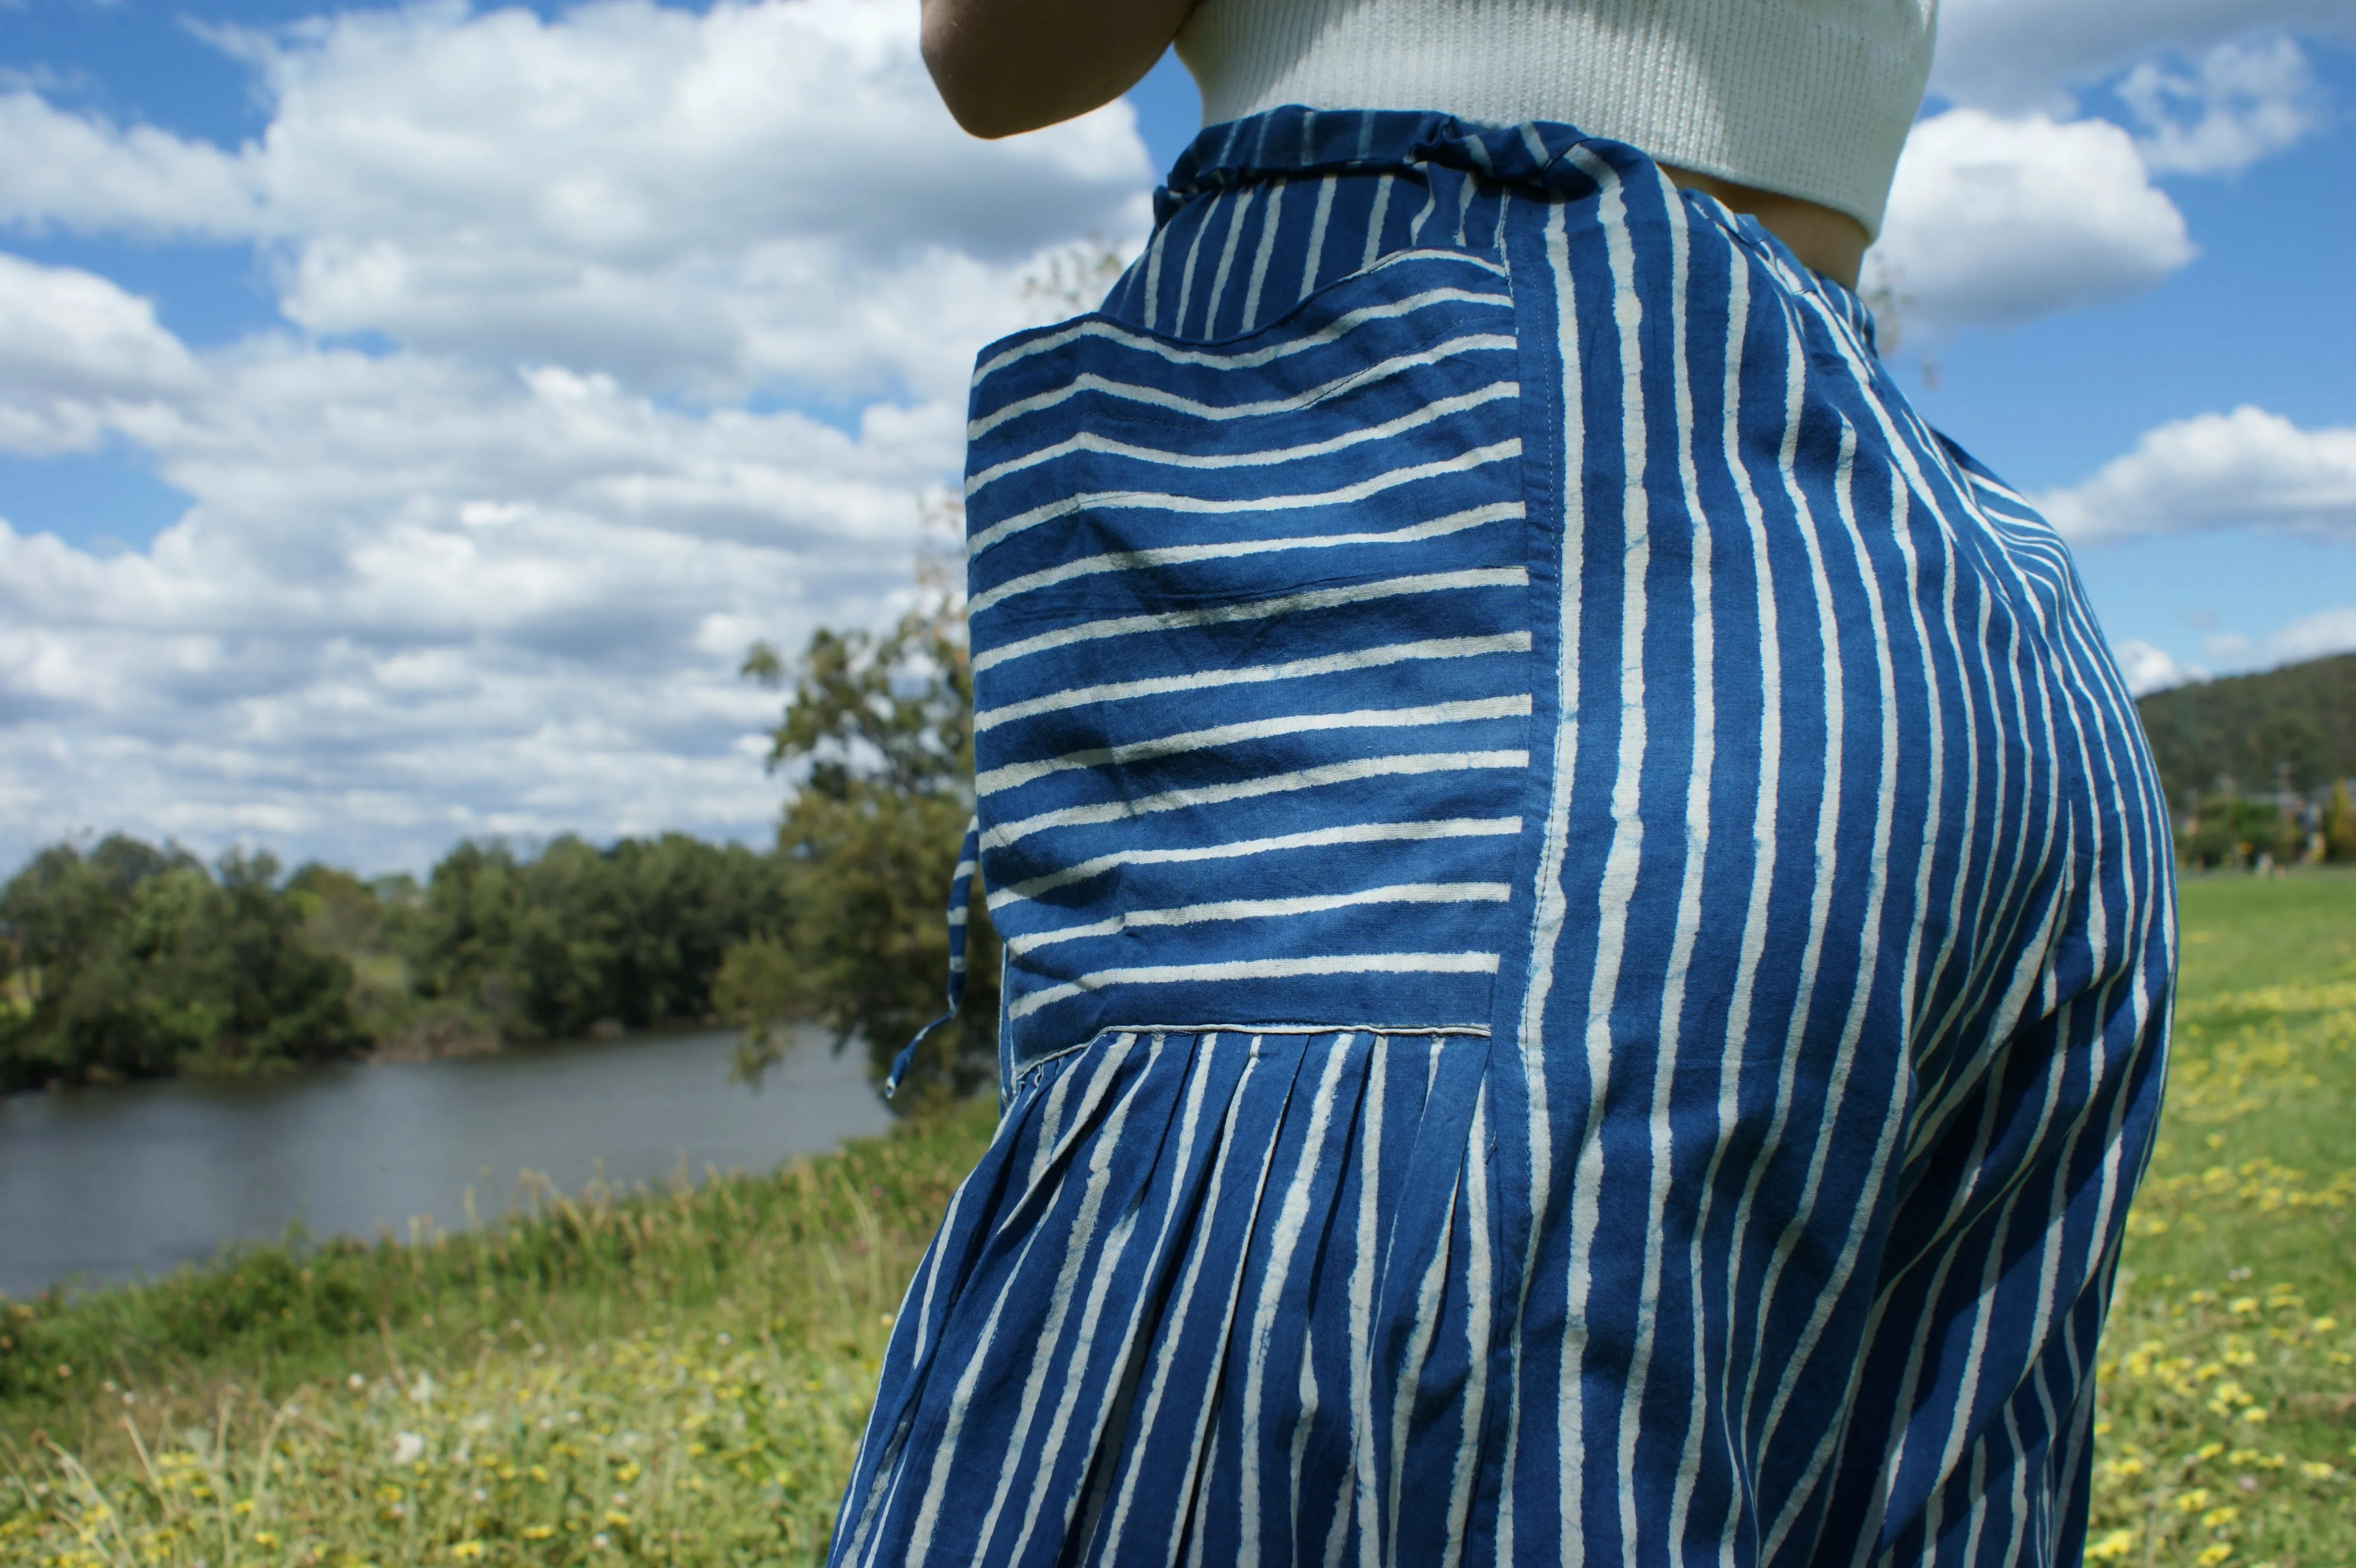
(127, 960)
(2258, 764)
(123, 959)
(2288, 729)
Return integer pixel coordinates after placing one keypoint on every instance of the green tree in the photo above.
(685, 903)
(462, 938)
(135, 962)
(2339, 824)
(576, 936)
(884, 725)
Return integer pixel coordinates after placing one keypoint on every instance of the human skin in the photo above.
(1008, 66)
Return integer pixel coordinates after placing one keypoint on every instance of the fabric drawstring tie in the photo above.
(960, 897)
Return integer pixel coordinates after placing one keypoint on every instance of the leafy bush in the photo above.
(2226, 832)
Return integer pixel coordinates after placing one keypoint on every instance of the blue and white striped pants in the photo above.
(1588, 923)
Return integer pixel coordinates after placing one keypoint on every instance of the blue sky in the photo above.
(408, 414)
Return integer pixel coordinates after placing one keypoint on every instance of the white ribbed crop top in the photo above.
(1810, 98)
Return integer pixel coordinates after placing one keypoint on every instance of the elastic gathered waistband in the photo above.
(1538, 156)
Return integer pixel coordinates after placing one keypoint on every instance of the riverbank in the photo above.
(681, 1378)
(675, 1376)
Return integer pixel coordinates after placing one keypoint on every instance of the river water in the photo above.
(105, 1184)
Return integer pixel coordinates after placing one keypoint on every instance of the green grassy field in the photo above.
(2226, 1425)
(679, 1377)
(676, 1377)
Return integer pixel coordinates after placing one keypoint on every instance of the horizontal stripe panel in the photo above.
(1290, 725)
(1259, 969)
(1268, 909)
(1256, 849)
(988, 657)
(1200, 683)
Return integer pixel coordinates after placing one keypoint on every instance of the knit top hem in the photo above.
(1807, 98)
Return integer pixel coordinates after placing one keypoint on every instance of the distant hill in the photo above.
(2239, 730)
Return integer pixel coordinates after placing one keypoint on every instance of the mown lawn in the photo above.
(2227, 1418)
(679, 1377)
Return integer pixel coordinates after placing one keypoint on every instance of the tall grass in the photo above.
(679, 1377)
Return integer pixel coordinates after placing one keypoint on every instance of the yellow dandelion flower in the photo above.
(2195, 1500)
(2118, 1544)
(627, 1473)
(2220, 1516)
(617, 1516)
(2212, 1555)
(538, 1531)
(2316, 1470)
(2257, 1414)
(466, 1551)
(2209, 1451)
(243, 1506)
(266, 1539)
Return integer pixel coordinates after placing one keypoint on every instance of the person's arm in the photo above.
(1006, 66)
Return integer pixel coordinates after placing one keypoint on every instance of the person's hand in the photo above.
(1008, 66)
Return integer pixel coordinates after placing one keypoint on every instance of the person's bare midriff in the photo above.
(1826, 241)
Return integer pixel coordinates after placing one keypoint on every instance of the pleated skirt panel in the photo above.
(1160, 1287)
(1588, 927)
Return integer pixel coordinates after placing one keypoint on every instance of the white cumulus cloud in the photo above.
(71, 171)
(2315, 635)
(76, 352)
(617, 341)
(2012, 203)
(1995, 221)
(2246, 468)
(2237, 103)
(765, 195)
(2019, 55)
(2147, 669)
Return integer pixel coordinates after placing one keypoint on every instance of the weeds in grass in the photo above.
(679, 1447)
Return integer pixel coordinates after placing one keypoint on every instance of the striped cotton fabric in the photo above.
(1588, 925)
